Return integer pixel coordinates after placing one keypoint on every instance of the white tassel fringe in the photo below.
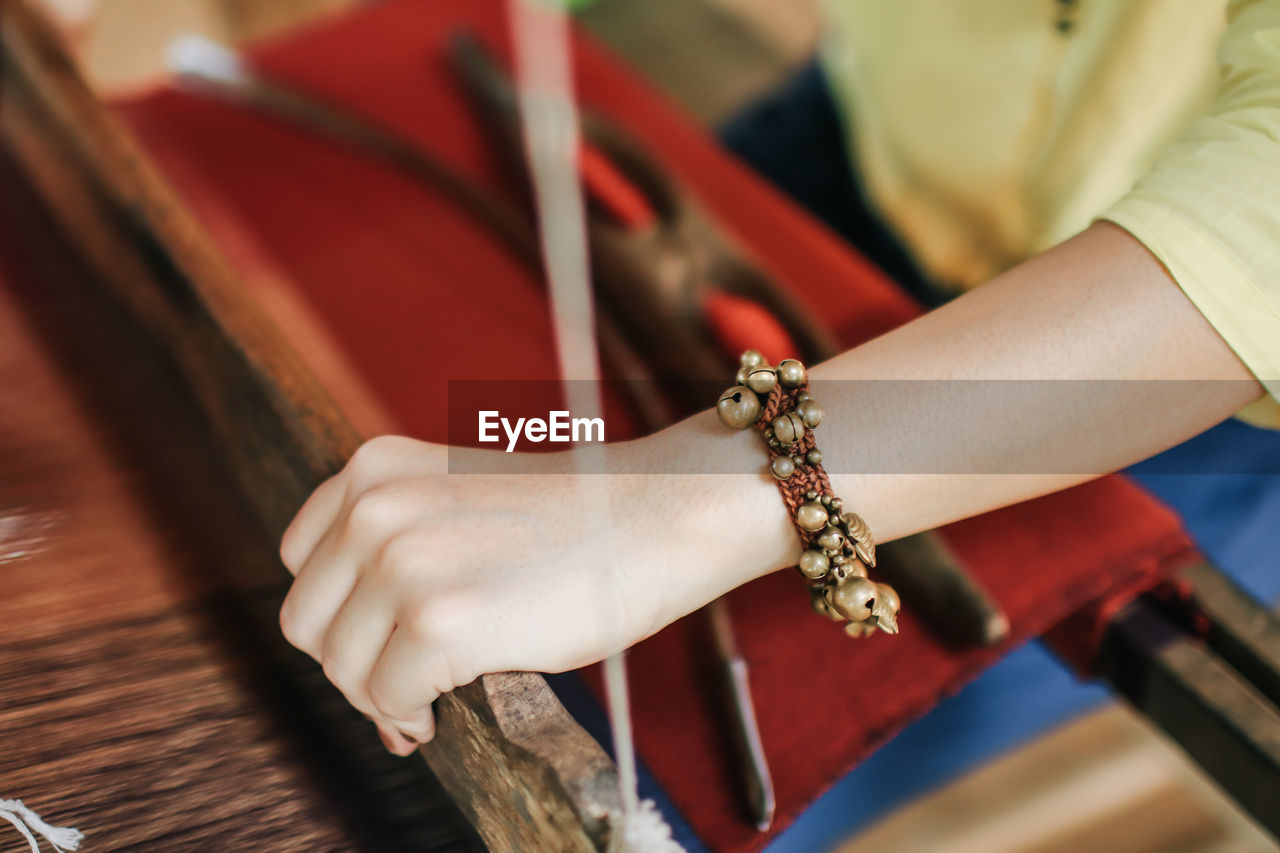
(63, 839)
(642, 831)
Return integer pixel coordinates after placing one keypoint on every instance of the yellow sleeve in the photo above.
(1209, 209)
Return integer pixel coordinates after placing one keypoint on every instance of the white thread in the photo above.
(640, 827)
(62, 839)
(643, 831)
(194, 57)
(540, 33)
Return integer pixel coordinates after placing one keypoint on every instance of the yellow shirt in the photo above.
(989, 130)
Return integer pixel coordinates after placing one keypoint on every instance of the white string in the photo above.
(21, 827)
(540, 32)
(62, 839)
(195, 57)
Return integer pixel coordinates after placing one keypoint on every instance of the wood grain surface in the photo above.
(145, 695)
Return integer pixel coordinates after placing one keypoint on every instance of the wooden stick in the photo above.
(517, 764)
(950, 601)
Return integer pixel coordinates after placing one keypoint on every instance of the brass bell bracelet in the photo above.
(838, 549)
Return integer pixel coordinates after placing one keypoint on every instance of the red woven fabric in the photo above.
(739, 324)
(416, 293)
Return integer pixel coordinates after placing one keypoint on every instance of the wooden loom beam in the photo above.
(519, 767)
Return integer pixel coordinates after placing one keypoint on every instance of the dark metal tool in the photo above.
(746, 732)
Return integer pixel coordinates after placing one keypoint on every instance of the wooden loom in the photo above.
(523, 772)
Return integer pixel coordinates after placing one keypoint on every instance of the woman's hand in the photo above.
(411, 582)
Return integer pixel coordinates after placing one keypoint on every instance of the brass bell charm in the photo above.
(811, 516)
(788, 428)
(761, 379)
(814, 564)
(810, 412)
(831, 539)
(783, 467)
(848, 567)
(854, 599)
(738, 407)
(791, 373)
(886, 608)
(819, 604)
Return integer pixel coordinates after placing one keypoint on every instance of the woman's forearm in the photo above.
(410, 583)
(911, 455)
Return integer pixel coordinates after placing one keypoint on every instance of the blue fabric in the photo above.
(1226, 486)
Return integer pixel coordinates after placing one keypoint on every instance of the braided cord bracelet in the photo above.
(838, 549)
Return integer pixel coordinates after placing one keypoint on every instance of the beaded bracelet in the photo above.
(838, 546)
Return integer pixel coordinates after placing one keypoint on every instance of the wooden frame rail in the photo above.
(520, 768)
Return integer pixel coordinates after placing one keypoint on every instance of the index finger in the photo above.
(315, 517)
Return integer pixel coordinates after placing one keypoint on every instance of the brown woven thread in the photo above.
(807, 478)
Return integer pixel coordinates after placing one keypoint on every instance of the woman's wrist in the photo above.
(694, 501)
(705, 492)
